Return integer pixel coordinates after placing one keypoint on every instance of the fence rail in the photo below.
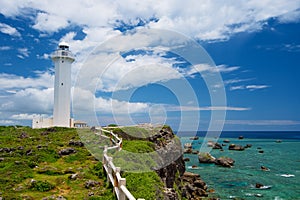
(113, 172)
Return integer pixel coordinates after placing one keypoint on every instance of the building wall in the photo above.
(42, 122)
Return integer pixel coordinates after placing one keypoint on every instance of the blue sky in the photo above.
(254, 45)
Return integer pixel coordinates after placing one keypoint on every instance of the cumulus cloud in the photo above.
(191, 17)
(9, 30)
(11, 81)
(49, 23)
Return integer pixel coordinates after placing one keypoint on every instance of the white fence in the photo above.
(113, 172)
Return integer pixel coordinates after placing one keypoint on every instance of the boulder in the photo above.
(206, 158)
(188, 151)
(236, 147)
(66, 151)
(91, 183)
(226, 141)
(194, 138)
(248, 146)
(185, 159)
(73, 176)
(76, 143)
(225, 162)
(241, 137)
(217, 146)
(23, 135)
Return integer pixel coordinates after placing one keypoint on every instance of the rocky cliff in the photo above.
(178, 183)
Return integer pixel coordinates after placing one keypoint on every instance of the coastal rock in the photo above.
(217, 146)
(226, 141)
(188, 145)
(236, 147)
(188, 151)
(225, 162)
(241, 137)
(170, 194)
(185, 159)
(195, 152)
(194, 138)
(260, 151)
(264, 168)
(248, 146)
(174, 174)
(206, 158)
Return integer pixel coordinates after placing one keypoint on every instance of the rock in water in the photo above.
(236, 147)
(225, 162)
(206, 158)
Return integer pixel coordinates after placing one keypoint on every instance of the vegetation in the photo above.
(31, 166)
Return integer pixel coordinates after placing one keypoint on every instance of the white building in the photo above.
(62, 59)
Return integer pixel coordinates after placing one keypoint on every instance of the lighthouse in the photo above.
(62, 59)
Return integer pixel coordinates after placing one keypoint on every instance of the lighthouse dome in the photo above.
(63, 45)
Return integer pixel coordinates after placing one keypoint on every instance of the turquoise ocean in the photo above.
(238, 182)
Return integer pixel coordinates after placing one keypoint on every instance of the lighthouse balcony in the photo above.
(63, 54)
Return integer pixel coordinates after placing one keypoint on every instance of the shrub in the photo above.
(41, 186)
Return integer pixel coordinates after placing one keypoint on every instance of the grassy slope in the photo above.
(52, 171)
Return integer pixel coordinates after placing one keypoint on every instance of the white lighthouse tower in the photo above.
(63, 59)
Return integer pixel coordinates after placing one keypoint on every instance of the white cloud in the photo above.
(11, 81)
(5, 48)
(192, 18)
(23, 52)
(25, 116)
(248, 87)
(210, 69)
(207, 108)
(9, 30)
(50, 22)
(290, 16)
(256, 87)
(6, 122)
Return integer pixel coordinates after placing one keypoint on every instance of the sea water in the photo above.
(238, 182)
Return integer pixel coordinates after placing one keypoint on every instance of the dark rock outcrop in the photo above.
(173, 174)
(194, 187)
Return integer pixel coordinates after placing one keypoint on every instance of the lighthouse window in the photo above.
(62, 83)
(62, 61)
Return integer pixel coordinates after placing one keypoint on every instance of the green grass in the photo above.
(145, 185)
(51, 171)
